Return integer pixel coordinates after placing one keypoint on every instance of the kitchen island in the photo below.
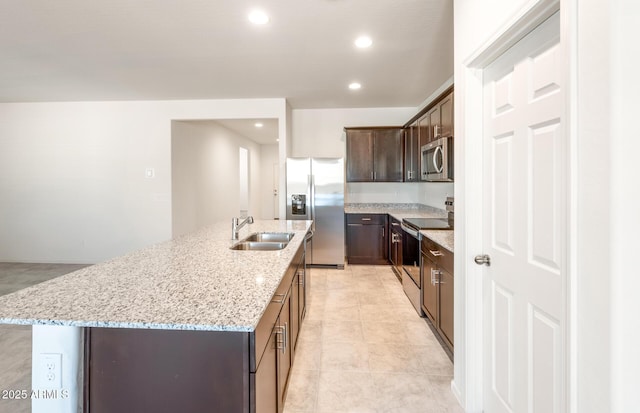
(185, 325)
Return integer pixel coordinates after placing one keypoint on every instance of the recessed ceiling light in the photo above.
(355, 86)
(363, 42)
(258, 125)
(258, 17)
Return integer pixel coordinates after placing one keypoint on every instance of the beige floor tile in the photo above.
(311, 330)
(405, 393)
(384, 332)
(341, 356)
(303, 390)
(441, 386)
(435, 361)
(345, 391)
(308, 355)
(342, 312)
(342, 331)
(399, 358)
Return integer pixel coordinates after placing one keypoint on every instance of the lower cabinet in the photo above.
(367, 239)
(437, 288)
(271, 377)
(265, 378)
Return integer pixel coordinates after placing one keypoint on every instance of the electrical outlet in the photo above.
(50, 368)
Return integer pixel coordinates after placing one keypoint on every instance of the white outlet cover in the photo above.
(50, 370)
(150, 173)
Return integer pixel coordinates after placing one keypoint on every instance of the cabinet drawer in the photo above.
(438, 254)
(365, 219)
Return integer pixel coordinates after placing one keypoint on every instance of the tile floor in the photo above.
(15, 341)
(362, 347)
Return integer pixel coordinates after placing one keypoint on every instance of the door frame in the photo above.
(532, 13)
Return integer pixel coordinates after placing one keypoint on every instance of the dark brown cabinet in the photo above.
(283, 347)
(441, 119)
(412, 153)
(367, 239)
(375, 154)
(437, 288)
(266, 377)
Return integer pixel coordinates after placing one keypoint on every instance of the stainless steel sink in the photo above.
(259, 246)
(270, 237)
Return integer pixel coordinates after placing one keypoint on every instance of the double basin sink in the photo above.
(264, 241)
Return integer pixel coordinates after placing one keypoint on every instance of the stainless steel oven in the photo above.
(411, 265)
(411, 240)
(437, 160)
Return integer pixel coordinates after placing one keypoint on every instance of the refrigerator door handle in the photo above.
(312, 187)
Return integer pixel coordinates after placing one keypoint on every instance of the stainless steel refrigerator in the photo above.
(315, 190)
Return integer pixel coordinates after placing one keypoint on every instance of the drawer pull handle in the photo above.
(281, 301)
(436, 253)
(366, 219)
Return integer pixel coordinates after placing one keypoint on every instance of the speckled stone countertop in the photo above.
(400, 211)
(444, 238)
(193, 282)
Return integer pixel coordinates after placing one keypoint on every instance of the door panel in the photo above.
(523, 227)
(387, 154)
(359, 156)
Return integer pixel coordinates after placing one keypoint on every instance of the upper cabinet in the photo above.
(411, 153)
(375, 154)
(442, 119)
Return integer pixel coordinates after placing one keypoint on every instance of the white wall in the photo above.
(625, 204)
(72, 174)
(320, 132)
(205, 175)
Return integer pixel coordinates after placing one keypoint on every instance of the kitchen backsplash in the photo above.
(431, 194)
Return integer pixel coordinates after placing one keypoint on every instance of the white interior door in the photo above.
(524, 220)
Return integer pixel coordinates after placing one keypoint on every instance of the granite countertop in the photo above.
(399, 211)
(444, 238)
(193, 282)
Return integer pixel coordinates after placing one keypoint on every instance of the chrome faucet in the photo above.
(236, 225)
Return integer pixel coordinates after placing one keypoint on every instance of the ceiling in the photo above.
(78, 50)
(265, 135)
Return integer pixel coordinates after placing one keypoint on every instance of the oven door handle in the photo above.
(415, 234)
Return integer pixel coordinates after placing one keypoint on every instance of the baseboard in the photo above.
(456, 393)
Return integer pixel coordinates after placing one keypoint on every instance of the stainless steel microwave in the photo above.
(437, 160)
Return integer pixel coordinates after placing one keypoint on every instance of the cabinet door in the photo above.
(446, 306)
(366, 244)
(435, 131)
(423, 130)
(302, 293)
(359, 156)
(429, 289)
(295, 312)
(411, 151)
(284, 350)
(387, 155)
(266, 379)
(446, 116)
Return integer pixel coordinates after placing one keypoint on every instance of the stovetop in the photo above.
(427, 223)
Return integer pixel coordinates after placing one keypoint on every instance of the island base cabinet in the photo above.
(265, 380)
(135, 370)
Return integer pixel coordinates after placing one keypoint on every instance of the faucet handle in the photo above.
(250, 219)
